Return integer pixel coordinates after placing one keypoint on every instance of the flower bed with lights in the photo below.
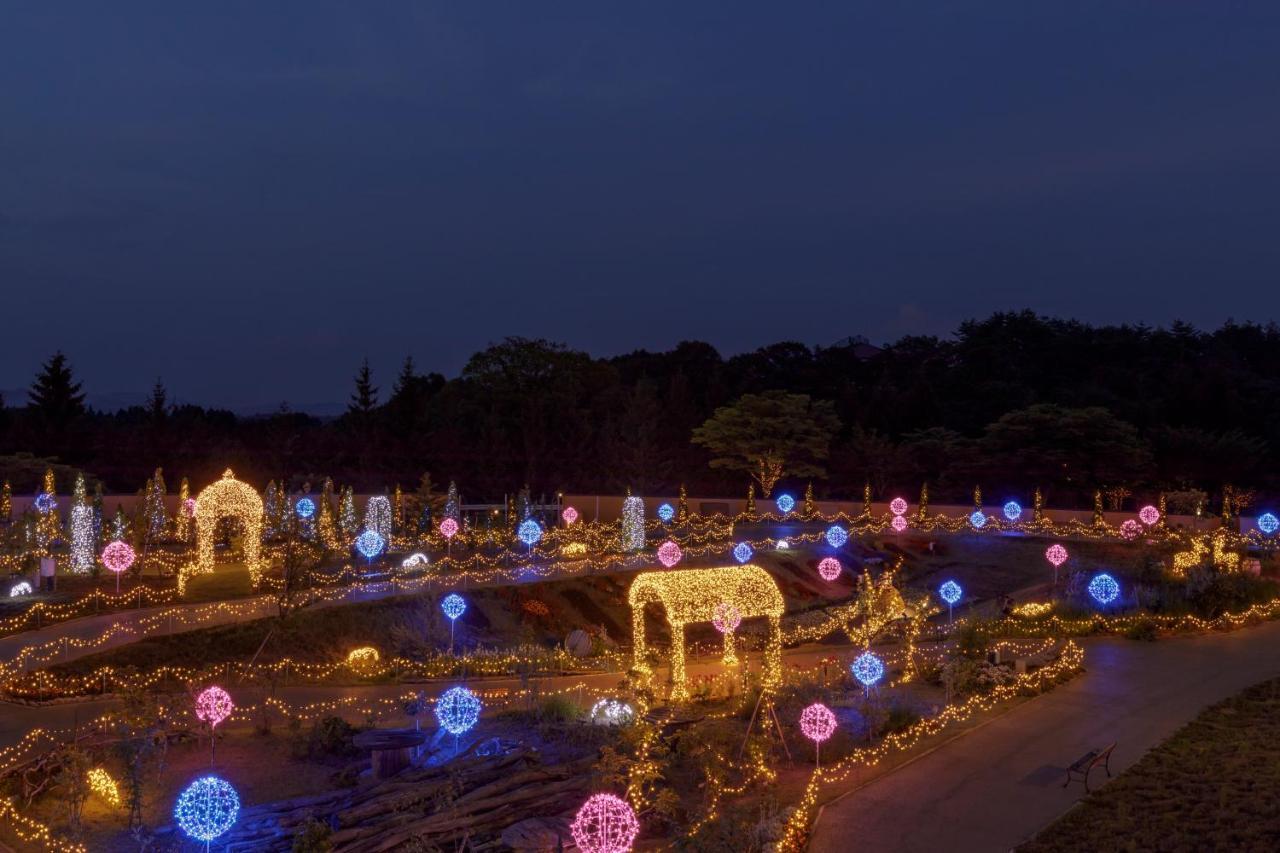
(863, 703)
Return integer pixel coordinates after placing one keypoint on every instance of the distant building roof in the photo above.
(862, 348)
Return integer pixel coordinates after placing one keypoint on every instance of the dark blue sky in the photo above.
(247, 198)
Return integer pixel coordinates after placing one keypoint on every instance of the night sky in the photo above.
(248, 198)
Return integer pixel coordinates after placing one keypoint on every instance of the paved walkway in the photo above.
(998, 785)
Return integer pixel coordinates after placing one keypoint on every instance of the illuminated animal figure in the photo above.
(1185, 561)
(227, 498)
(692, 595)
(1226, 561)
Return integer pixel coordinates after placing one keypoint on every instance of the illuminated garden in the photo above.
(310, 667)
(299, 662)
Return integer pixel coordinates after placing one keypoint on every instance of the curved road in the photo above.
(1001, 783)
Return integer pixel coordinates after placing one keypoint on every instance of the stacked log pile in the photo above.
(464, 804)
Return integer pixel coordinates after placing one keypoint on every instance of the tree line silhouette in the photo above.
(1011, 402)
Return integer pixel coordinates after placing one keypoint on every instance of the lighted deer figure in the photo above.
(692, 595)
(1183, 561)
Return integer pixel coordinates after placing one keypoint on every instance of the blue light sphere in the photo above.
(1104, 589)
(1268, 523)
(867, 668)
(453, 605)
(786, 503)
(370, 544)
(977, 519)
(45, 502)
(1013, 510)
(950, 592)
(305, 507)
(207, 808)
(666, 512)
(742, 552)
(458, 709)
(837, 536)
(529, 531)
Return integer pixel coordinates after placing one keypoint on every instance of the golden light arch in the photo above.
(227, 498)
(692, 595)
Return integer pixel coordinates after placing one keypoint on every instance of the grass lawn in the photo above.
(227, 580)
(1212, 786)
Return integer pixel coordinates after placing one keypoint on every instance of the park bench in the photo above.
(1087, 762)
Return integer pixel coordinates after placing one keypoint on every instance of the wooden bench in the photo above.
(1087, 762)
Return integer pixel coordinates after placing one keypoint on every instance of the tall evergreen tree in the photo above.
(157, 515)
(55, 394)
(97, 514)
(183, 520)
(365, 398)
(326, 522)
(405, 380)
(158, 406)
(347, 521)
(425, 501)
(270, 515)
(50, 523)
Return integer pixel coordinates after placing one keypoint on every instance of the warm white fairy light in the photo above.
(377, 516)
(632, 524)
(693, 595)
(227, 498)
(81, 539)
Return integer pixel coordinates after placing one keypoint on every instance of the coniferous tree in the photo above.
(405, 380)
(157, 515)
(425, 503)
(452, 506)
(55, 394)
(6, 503)
(49, 523)
(524, 505)
(326, 521)
(157, 406)
(365, 398)
(347, 521)
(270, 515)
(97, 514)
(182, 522)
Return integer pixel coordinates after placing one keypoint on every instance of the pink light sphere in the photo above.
(817, 722)
(1149, 515)
(669, 553)
(829, 568)
(189, 507)
(899, 523)
(726, 617)
(1056, 554)
(1130, 529)
(897, 506)
(448, 528)
(213, 705)
(570, 515)
(118, 556)
(605, 824)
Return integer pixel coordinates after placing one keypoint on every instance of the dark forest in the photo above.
(1011, 402)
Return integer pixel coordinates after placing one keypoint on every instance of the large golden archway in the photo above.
(227, 497)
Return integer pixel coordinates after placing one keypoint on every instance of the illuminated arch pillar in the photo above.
(227, 498)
